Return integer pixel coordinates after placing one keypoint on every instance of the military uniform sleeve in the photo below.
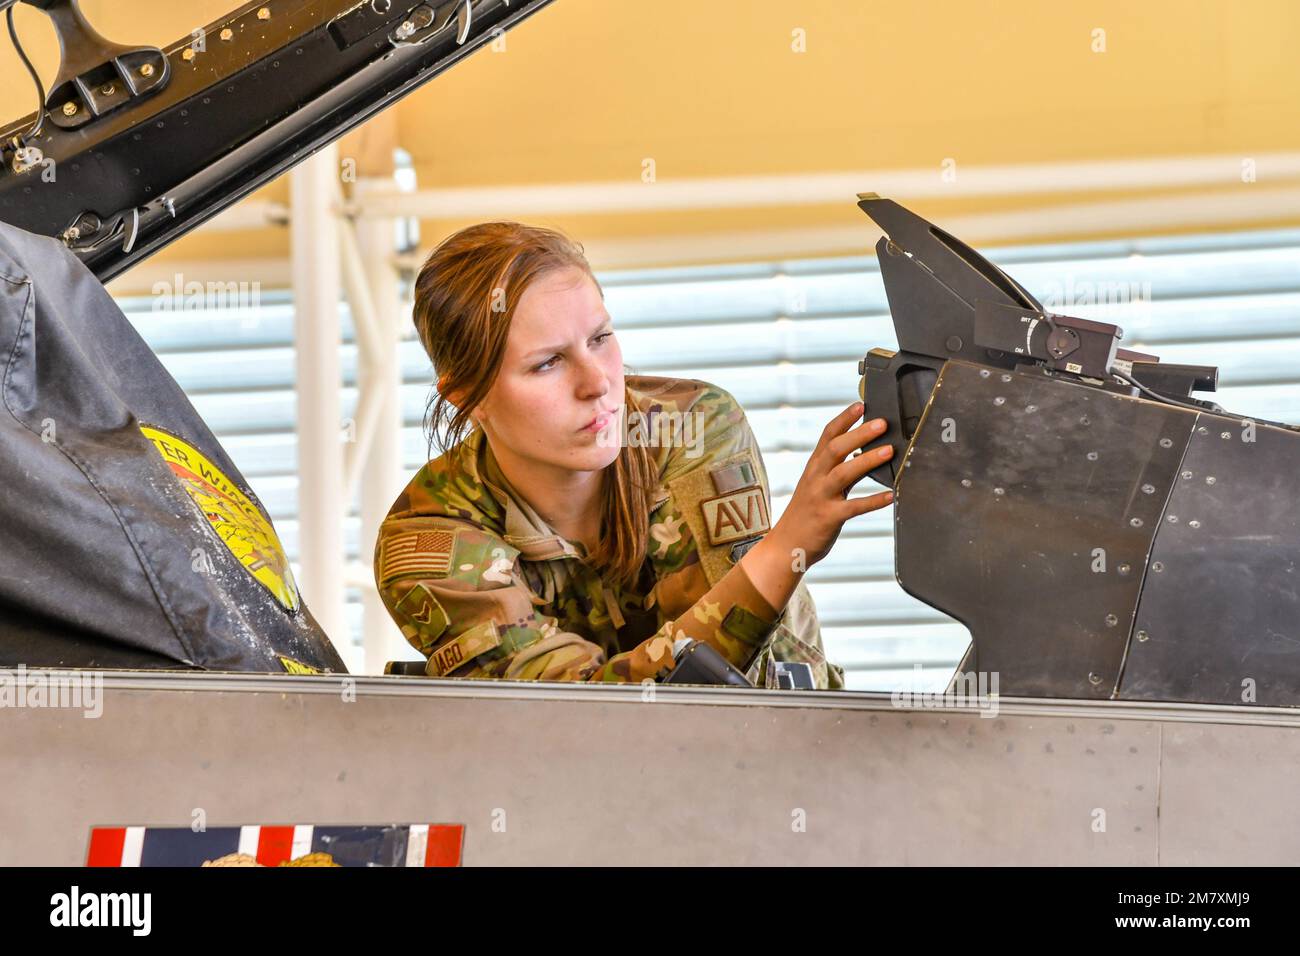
(456, 592)
(719, 488)
(732, 617)
(715, 493)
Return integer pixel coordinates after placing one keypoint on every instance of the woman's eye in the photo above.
(602, 337)
(547, 364)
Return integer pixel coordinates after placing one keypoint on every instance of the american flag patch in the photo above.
(415, 844)
(426, 553)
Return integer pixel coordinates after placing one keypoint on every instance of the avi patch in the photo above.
(735, 516)
(236, 519)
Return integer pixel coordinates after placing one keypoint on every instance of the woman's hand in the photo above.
(817, 511)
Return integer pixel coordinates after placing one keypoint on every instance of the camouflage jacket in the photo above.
(483, 587)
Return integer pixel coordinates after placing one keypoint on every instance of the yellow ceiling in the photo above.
(586, 90)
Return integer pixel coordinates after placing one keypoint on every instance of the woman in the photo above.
(589, 522)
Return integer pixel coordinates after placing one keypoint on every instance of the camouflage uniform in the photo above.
(483, 587)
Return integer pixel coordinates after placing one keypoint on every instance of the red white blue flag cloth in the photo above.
(415, 844)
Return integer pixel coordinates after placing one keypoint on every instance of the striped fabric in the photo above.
(416, 844)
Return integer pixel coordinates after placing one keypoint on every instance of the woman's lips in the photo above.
(598, 423)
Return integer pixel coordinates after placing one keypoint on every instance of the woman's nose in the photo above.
(593, 381)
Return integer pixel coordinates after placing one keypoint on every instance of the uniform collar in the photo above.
(525, 529)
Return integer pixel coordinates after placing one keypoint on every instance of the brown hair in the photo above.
(465, 296)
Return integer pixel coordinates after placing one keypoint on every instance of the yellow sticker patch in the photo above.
(292, 666)
(233, 515)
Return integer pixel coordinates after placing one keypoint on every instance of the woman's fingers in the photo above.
(840, 423)
(861, 506)
(848, 473)
(843, 445)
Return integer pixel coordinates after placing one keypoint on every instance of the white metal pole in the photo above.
(314, 243)
(381, 377)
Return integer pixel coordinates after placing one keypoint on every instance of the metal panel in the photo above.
(1013, 491)
(1220, 610)
(1226, 795)
(601, 775)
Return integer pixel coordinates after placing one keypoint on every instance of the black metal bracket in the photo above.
(96, 75)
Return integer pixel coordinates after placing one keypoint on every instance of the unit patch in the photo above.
(735, 516)
(237, 520)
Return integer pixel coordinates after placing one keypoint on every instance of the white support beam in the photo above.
(379, 378)
(1244, 206)
(371, 341)
(314, 246)
(906, 185)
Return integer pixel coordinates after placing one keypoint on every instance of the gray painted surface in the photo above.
(598, 775)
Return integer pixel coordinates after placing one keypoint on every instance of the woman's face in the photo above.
(557, 399)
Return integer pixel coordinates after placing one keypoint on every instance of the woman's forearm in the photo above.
(774, 569)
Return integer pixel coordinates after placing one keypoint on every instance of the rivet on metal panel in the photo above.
(999, 491)
(1172, 519)
(1031, 409)
(1202, 430)
(965, 482)
(1186, 475)
(984, 373)
(1085, 420)
(1006, 378)
(1142, 635)
(227, 34)
(1193, 523)
(1210, 479)
(1157, 566)
(1094, 678)
(1124, 569)
(146, 69)
(69, 109)
(1225, 434)
(263, 13)
(1111, 620)
(1135, 522)
(1148, 489)
(1166, 443)
(999, 400)
(1092, 456)
(187, 54)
